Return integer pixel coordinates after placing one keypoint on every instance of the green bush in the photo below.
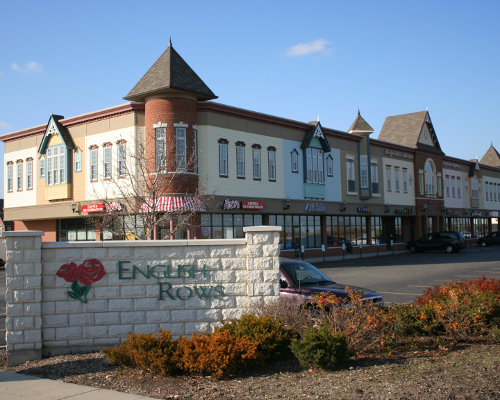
(147, 351)
(274, 340)
(321, 348)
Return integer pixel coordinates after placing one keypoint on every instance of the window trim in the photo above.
(29, 176)
(240, 147)
(10, 168)
(363, 167)
(161, 156)
(121, 143)
(329, 165)
(94, 149)
(405, 180)
(179, 139)
(41, 167)
(107, 146)
(396, 179)
(256, 149)
(294, 154)
(388, 173)
(223, 143)
(270, 167)
(78, 155)
(351, 173)
(19, 177)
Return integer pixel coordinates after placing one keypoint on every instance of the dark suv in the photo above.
(451, 241)
(489, 239)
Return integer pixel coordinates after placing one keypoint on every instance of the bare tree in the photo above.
(149, 189)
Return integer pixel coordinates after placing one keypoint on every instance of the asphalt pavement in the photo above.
(401, 278)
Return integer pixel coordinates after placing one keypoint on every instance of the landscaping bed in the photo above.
(470, 371)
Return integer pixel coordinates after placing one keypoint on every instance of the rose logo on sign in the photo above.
(87, 273)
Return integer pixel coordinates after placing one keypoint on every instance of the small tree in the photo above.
(135, 187)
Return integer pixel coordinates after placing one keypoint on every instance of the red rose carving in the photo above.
(70, 272)
(90, 271)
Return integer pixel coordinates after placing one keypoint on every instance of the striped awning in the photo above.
(173, 204)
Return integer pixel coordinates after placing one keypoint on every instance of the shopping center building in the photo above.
(324, 186)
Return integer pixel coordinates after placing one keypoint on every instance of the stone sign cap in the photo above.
(262, 229)
(22, 233)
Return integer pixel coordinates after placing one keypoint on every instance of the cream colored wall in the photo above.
(422, 138)
(107, 189)
(248, 187)
(24, 197)
(393, 197)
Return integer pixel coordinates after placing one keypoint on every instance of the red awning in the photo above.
(173, 204)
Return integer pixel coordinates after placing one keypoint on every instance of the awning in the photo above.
(173, 204)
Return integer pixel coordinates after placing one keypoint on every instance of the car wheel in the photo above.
(449, 248)
(413, 248)
(483, 243)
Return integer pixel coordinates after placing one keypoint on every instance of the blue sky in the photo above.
(293, 59)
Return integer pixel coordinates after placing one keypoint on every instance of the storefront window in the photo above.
(480, 226)
(227, 226)
(460, 225)
(377, 231)
(300, 230)
(349, 229)
(75, 229)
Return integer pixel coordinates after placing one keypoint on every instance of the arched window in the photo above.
(430, 178)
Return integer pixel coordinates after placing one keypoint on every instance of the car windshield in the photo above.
(305, 273)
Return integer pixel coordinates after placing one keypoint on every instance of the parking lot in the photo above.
(398, 278)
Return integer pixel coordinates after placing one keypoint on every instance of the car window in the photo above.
(460, 236)
(448, 236)
(494, 234)
(435, 236)
(426, 237)
(303, 272)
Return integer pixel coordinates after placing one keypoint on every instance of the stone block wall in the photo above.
(184, 286)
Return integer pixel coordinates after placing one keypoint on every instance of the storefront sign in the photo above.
(396, 153)
(403, 211)
(252, 205)
(367, 210)
(93, 208)
(450, 164)
(115, 206)
(451, 212)
(493, 214)
(315, 207)
(475, 213)
(433, 208)
(230, 204)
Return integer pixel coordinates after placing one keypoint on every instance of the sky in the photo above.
(292, 59)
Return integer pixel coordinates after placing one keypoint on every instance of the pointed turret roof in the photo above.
(170, 73)
(492, 157)
(360, 125)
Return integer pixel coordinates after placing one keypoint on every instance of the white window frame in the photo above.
(180, 148)
(161, 149)
(350, 170)
(223, 170)
(453, 186)
(41, 170)
(295, 161)
(309, 165)
(447, 180)
(271, 157)
(363, 162)
(240, 161)
(195, 138)
(396, 178)
(19, 176)
(314, 165)
(107, 162)
(78, 161)
(29, 174)
(474, 187)
(10, 181)
(256, 164)
(321, 176)
(48, 158)
(388, 172)
(405, 180)
(122, 157)
(55, 164)
(93, 165)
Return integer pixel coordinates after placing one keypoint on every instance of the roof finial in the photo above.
(426, 108)
(358, 111)
(170, 42)
(51, 113)
(318, 118)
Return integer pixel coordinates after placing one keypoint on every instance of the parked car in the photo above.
(333, 241)
(299, 281)
(451, 241)
(489, 239)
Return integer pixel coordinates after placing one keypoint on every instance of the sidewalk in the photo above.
(15, 386)
(351, 256)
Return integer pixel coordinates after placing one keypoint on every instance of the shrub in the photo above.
(220, 354)
(147, 351)
(321, 348)
(273, 339)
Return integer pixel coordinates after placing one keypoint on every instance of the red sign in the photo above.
(91, 208)
(252, 205)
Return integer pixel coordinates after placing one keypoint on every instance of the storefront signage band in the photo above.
(493, 213)
(403, 211)
(451, 212)
(93, 208)
(252, 205)
(475, 213)
(367, 210)
(450, 164)
(230, 204)
(315, 207)
(398, 154)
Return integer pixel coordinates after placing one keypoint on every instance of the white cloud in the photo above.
(30, 66)
(320, 46)
(4, 125)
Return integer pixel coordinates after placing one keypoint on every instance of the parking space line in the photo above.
(409, 294)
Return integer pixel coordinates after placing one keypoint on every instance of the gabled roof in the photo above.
(360, 125)
(405, 130)
(170, 71)
(492, 157)
(315, 131)
(55, 126)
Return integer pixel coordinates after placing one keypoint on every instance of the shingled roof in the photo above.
(492, 157)
(170, 72)
(405, 130)
(360, 125)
